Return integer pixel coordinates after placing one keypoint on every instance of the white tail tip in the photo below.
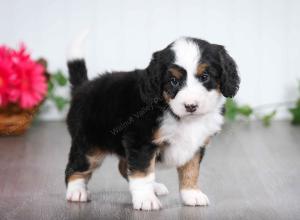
(76, 48)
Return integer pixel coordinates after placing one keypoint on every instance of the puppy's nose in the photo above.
(190, 107)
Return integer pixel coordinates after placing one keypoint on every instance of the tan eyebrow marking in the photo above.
(201, 69)
(166, 96)
(176, 73)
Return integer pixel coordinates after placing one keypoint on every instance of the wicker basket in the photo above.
(15, 121)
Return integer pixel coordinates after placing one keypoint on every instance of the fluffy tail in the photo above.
(76, 63)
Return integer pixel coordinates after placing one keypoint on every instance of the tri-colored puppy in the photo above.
(167, 112)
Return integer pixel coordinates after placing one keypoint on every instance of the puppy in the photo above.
(167, 112)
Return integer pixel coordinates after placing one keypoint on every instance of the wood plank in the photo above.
(249, 172)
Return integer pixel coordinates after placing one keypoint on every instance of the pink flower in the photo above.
(22, 80)
(6, 74)
(4, 81)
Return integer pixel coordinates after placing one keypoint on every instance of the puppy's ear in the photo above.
(152, 79)
(229, 79)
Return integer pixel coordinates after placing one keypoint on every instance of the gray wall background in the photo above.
(262, 35)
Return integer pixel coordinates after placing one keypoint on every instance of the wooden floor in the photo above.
(249, 172)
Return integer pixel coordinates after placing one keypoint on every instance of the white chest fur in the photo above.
(186, 135)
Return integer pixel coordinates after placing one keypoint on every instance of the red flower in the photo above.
(22, 80)
(6, 74)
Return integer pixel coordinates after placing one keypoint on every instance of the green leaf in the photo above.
(298, 103)
(230, 109)
(266, 119)
(50, 86)
(60, 78)
(60, 102)
(295, 115)
(245, 110)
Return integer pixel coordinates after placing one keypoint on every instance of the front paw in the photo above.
(194, 197)
(78, 195)
(145, 200)
(77, 191)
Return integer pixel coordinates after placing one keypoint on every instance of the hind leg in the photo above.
(79, 170)
(159, 188)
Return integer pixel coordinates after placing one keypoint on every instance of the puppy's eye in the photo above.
(204, 77)
(174, 82)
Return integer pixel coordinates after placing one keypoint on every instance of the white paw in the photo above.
(77, 191)
(193, 197)
(160, 189)
(145, 200)
(142, 191)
